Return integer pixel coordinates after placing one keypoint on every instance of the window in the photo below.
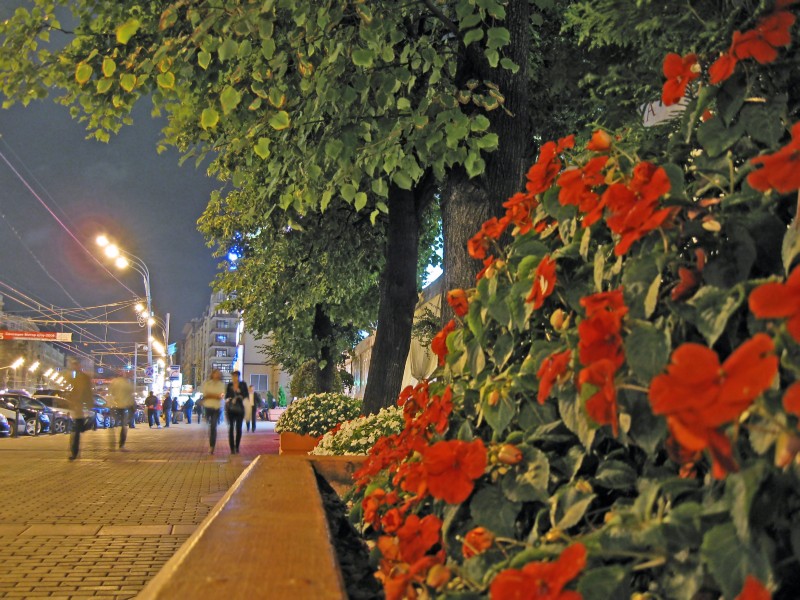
(222, 324)
(259, 383)
(222, 338)
(224, 368)
(221, 353)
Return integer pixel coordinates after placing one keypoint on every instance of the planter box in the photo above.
(294, 443)
(273, 414)
(276, 507)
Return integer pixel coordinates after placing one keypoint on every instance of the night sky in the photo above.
(144, 200)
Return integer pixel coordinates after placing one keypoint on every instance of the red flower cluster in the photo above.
(779, 301)
(760, 43)
(439, 342)
(544, 282)
(541, 580)
(679, 71)
(633, 207)
(780, 170)
(451, 468)
(576, 189)
(553, 367)
(689, 279)
(542, 174)
(458, 301)
(698, 395)
(600, 351)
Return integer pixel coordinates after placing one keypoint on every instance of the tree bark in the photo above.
(323, 331)
(467, 203)
(398, 297)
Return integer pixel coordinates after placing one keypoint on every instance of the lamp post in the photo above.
(123, 259)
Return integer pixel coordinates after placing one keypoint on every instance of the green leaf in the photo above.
(403, 104)
(528, 480)
(363, 57)
(166, 80)
(348, 192)
(647, 350)
(716, 138)
(763, 124)
(227, 49)
(109, 66)
(479, 123)
(203, 59)
(790, 247)
(568, 506)
(493, 510)
(83, 73)
(280, 120)
(103, 85)
(360, 201)
(500, 415)
(474, 164)
(714, 306)
(497, 37)
(615, 475)
(402, 180)
(740, 490)
(127, 30)
(209, 118)
(605, 583)
(730, 561)
(262, 148)
(230, 99)
(509, 65)
(575, 417)
(127, 82)
(473, 35)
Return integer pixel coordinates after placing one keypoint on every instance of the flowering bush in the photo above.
(615, 414)
(360, 434)
(317, 414)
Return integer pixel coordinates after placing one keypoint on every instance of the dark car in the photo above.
(5, 428)
(62, 418)
(24, 414)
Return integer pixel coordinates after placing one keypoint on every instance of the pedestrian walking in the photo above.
(188, 407)
(80, 399)
(151, 402)
(175, 410)
(121, 401)
(248, 410)
(235, 394)
(213, 390)
(166, 403)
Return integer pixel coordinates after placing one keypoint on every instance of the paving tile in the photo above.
(61, 529)
(129, 530)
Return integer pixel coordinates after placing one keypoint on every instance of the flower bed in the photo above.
(357, 436)
(317, 414)
(615, 413)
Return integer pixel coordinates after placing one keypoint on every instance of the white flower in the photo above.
(317, 414)
(360, 434)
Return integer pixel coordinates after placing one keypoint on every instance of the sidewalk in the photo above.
(104, 524)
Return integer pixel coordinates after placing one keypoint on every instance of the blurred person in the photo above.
(188, 407)
(166, 405)
(80, 399)
(213, 390)
(235, 394)
(123, 406)
(175, 409)
(248, 410)
(151, 403)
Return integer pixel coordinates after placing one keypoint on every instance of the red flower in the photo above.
(452, 468)
(781, 170)
(679, 73)
(778, 301)
(791, 399)
(458, 301)
(612, 302)
(518, 211)
(600, 339)
(602, 405)
(698, 395)
(762, 42)
(439, 343)
(417, 536)
(553, 367)
(576, 189)
(541, 580)
(600, 141)
(544, 282)
(477, 245)
(753, 590)
(723, 67)
(687, 284)
(544, 171)
(486, 265)
(476, 541)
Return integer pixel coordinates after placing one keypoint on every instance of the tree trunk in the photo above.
(467, 203)
(398, 298)
(323, 331)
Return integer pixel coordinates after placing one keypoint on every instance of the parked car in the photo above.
(5, 428)
(62, 418)
(24, 415)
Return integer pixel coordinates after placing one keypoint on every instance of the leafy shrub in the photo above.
(304, 382)
(317, 414)
(616, 407)
(360, 434)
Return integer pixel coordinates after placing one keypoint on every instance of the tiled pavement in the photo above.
(103, 525)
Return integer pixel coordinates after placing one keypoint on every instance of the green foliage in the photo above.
(303, 381)
(281, 397)
(317, 414)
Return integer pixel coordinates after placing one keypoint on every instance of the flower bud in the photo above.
(476, 541)
(584, 487)
(509, 454)
(438, 576)
(494, 398)
(553, 535)
(557, 319)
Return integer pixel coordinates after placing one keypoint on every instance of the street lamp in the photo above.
(122, 260)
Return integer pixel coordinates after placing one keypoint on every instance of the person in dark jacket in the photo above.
(151, 403)
(188, 407)
(234, 410)
(166, 404)
(174, 410)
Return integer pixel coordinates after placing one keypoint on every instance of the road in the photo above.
(103, 525)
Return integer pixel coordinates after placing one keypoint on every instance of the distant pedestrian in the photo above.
(188, 407)
(213, 390)
(174, 410)
(80, 399)
(234, 410)
(248, 410)
(166, 403)
(151, 403)
(123, 405)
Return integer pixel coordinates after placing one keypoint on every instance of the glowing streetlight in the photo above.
(33, 367)
(48, 372)
(18, 363)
